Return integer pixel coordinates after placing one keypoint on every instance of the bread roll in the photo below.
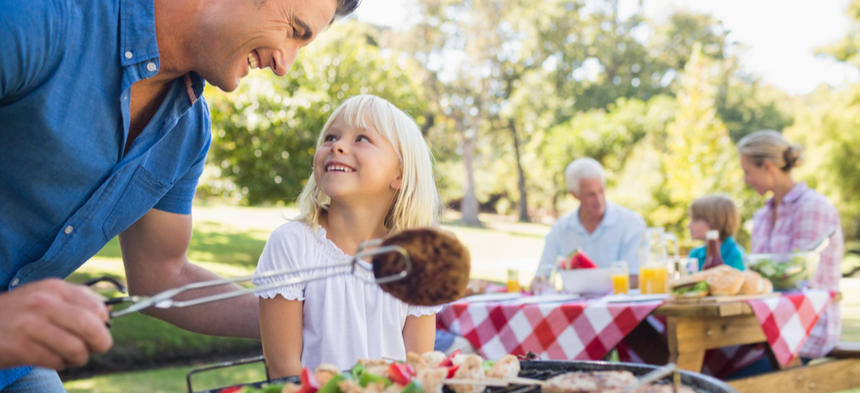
(754, 284)
(724, 280)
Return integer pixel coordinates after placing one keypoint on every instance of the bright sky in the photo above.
(779, 36)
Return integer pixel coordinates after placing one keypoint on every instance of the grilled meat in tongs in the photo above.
(422, 266)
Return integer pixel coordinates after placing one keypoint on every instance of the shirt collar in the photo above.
(138, 42)
(137, 31)
(610, 217)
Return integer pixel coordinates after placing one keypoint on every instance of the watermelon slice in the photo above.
(581, 261)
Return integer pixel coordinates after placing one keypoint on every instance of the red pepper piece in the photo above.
(452, 370)
(231, 389)
(401, 373)
(449, 361)
(310, 384)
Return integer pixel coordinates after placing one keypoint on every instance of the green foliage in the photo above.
(748, 106)
(694, 156)
(607, 136)
(265, 132)
(826, 125)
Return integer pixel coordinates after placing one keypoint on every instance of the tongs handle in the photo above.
(652, 376)
(166, 299)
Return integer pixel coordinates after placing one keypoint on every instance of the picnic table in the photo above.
(559, 328)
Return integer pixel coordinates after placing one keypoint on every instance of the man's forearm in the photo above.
(235, 317)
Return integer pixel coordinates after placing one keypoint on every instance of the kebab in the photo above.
(422, 266)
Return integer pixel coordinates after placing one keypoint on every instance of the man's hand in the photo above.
(53, 324)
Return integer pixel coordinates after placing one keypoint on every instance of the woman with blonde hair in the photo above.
(794, 218)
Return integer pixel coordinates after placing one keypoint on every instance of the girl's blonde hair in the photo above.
(770, 145)
(719, 211)
(416, 202)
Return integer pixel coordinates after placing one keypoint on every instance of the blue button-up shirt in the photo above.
(616, 238)
(67, 185)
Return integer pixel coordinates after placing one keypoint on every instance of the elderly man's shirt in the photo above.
(616, 238)
(802, 218)
(67, 185)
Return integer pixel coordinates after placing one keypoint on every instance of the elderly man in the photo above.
(605, 231)
(104, 132)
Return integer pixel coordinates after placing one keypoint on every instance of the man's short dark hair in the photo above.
(345, 7)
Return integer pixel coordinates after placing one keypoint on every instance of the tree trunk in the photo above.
(521, 176)
(469, 207)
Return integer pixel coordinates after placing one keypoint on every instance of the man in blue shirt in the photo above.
(605, 231)
(104, 132)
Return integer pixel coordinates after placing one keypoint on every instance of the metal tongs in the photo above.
(654, 375)
(167, 299)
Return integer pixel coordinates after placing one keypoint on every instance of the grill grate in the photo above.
(543, 370)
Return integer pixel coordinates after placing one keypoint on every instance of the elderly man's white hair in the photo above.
(580, 169)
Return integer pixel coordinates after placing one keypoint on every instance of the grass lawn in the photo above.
(228, 241)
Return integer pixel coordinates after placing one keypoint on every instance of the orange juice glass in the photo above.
(513, 280)
(620, 277)
(659, 280)
(646, 278)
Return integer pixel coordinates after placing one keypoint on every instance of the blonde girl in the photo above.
(372, 175)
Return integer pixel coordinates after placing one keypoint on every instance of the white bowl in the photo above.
(587, 281)
(785, 271)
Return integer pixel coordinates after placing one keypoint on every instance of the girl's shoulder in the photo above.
(300, 235)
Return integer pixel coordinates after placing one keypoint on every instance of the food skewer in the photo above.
(402, 262)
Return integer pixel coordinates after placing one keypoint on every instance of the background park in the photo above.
(507, 92)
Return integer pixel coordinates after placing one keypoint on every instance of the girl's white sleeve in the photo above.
(285, 250)
(422, 310)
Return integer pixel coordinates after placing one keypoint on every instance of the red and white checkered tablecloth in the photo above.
(787, 320)
(579, 329)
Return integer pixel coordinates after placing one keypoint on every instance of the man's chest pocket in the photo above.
(140, 194)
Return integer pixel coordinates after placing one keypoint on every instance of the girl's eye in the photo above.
(330, 138)
(362, 138)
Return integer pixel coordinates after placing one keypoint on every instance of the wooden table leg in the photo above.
(687, 354)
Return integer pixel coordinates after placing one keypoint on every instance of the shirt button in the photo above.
(15, 281)
(128, 54)
(68, 229)
(150, 67)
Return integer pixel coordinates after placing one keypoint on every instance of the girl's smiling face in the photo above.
(356, 162)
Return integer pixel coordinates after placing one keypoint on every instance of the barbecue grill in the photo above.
(535, 369)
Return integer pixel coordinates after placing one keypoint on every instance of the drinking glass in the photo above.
(620, 277)
(513, 280)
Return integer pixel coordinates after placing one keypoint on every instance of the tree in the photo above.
(696, 157)
(826, 126)
(265, 132)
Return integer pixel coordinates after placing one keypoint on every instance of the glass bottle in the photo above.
(713, 258)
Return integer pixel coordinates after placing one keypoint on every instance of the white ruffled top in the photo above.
(344, 317)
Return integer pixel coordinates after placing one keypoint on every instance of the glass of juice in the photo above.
(513, 280)
(646, 277)
(660, 279)
(620, 277)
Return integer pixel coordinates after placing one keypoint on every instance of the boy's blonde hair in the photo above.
(719, 211)
(770, 145)
(416, 203)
